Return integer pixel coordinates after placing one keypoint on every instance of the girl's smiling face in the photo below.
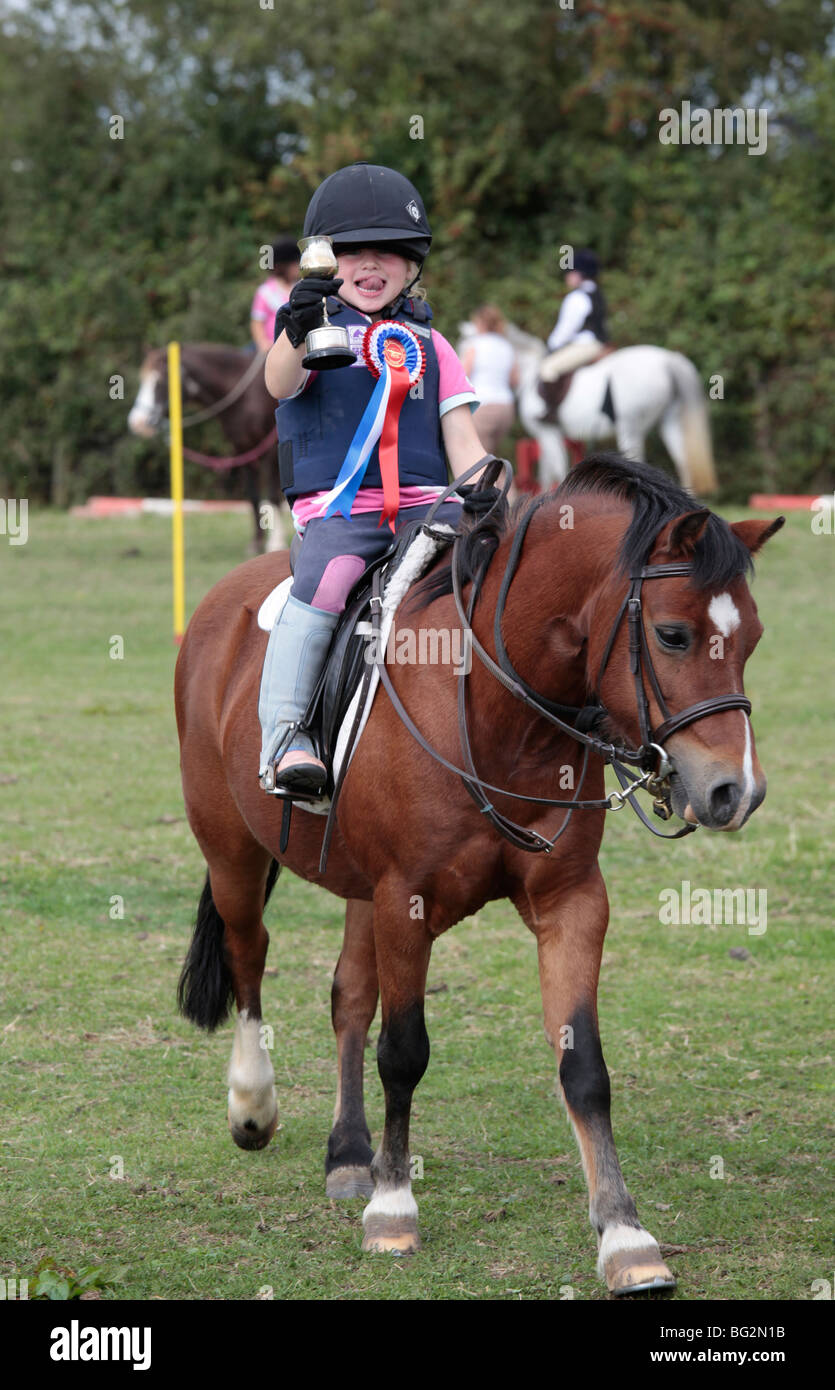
(372, 278)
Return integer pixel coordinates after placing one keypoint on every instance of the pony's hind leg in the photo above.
(353, 1005)
(226, 960)
(570, 929)
(252, 1111)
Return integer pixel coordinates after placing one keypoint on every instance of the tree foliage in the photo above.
(526, 127)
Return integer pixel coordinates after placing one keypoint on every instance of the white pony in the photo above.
(640, 387)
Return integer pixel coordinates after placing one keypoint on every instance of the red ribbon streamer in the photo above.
(389, 466)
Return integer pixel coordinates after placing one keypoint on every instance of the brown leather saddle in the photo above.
(554, 392)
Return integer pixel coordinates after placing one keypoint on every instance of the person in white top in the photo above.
(490, 364)
(580, 333)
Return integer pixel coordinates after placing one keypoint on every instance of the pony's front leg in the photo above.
(403, 947)
(253, 493)
(279, 522)
(353, 1005)
(570, 927)
(631, 439)
(553, 456)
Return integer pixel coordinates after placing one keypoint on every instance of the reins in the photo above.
(237, 390)
(221, 465)
(650, 757)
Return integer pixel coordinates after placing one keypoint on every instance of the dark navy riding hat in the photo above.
(587, 264)
(366, 204)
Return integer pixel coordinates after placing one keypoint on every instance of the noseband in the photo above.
(650, 757)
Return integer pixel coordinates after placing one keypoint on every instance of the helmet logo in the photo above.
(413, 210)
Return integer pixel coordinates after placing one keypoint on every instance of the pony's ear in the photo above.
(754, 534)
(678, 538)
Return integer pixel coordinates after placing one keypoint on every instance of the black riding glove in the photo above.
(478, 500)
(304, 309)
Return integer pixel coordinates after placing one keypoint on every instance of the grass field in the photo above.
(115, 1152)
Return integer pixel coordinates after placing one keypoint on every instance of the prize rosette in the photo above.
(393, 344)
(393, 354)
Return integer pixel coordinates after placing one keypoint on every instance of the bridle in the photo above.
(234, 394)
(639, 656)
(651, 758)
(159, 413)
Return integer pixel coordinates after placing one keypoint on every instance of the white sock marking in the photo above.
(392, 1201)
(618, 1238)
(251, 1089)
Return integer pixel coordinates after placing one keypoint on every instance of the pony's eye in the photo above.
(675, 639)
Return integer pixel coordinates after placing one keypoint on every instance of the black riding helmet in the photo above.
(587, 263)
(369, 205)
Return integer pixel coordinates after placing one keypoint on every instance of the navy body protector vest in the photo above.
(596, 318)
(315, 428)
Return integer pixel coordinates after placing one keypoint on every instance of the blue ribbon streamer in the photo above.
(344, 502)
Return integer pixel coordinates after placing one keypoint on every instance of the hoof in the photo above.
(351, 1181)
(638, 1271)
(384, 1235)
(249, 1136)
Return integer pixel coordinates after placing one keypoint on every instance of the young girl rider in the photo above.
(346, 512)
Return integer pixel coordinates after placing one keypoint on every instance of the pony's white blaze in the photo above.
(748, 787)
(617, 1238)
(251, 1089)
(392, 1201)
(748, 763)
(724, 613)
(144, 409)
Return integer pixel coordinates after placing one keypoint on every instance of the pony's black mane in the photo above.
(719, 557)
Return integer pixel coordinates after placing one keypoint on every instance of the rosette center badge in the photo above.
(395, 345)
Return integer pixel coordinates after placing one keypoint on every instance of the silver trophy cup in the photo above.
(326, 347)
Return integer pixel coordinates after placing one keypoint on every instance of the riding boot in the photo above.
(296, 651)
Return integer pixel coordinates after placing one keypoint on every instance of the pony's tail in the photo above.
(695, 428)
(205, 990)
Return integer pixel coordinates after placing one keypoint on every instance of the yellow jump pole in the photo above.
(175, 417)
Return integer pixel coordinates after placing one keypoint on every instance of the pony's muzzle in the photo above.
(721, 803)
(141, 424)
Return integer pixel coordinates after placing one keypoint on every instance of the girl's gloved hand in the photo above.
(303, 311)
(478, 501)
